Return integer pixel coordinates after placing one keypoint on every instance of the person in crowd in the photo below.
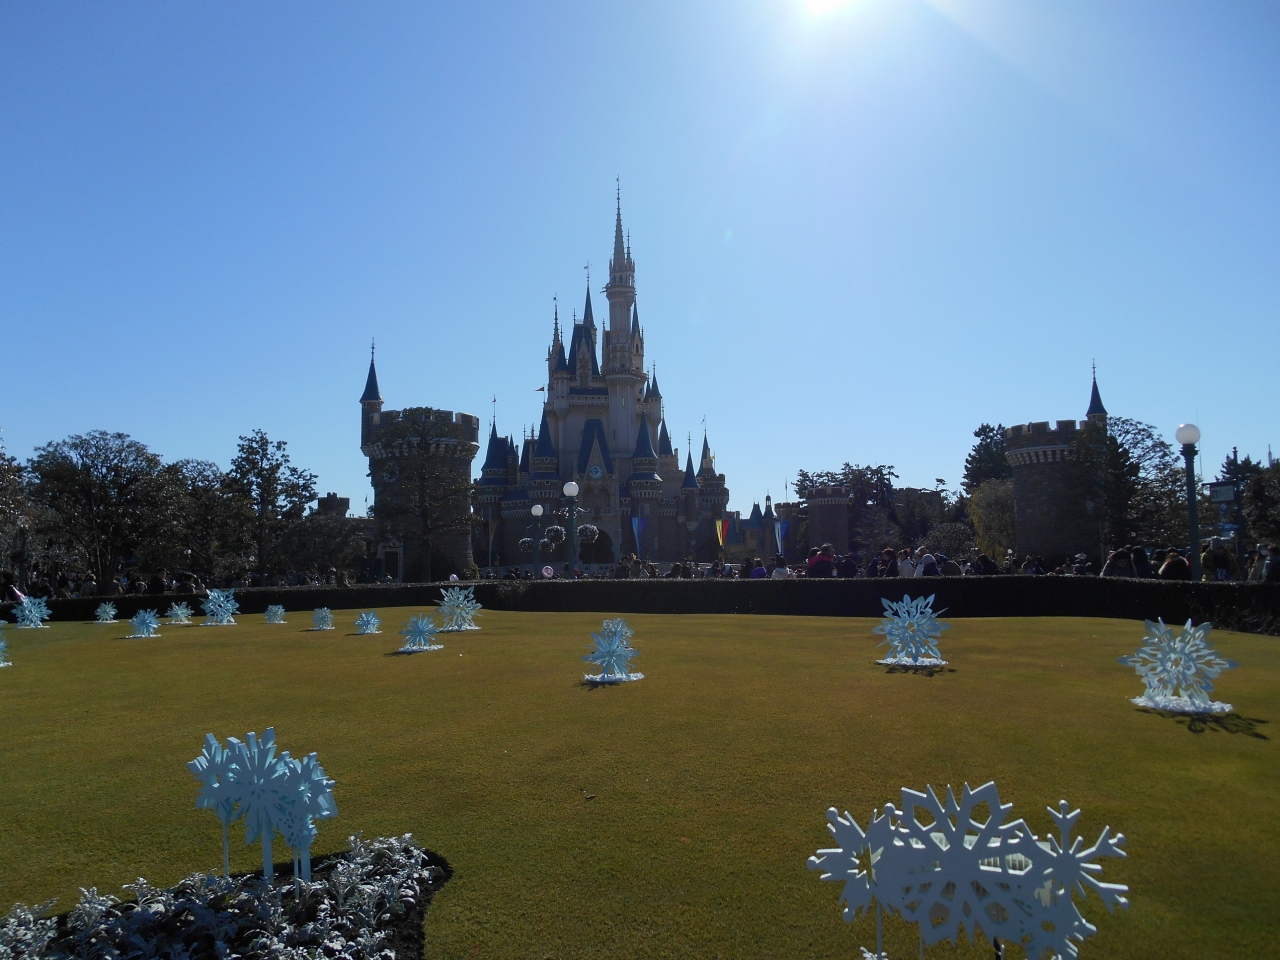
(1119, 564)
(758, 570)
(873, 567)
(1271, 569)
(1080, 566)
(112, 588)
(1175, 567)
(780, 570)
(906, 566)
(823, 563)
(948, 567)
(9, 591)
(847, 566)
(1141, 564)
(1219, 563)
(927, 565)
(986, 566)
(1258, 563)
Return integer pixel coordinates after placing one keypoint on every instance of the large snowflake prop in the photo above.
(458, 607)
(4, 651)
(613, 653)
(31, 613)
(1178, 669)
(911, 630)
(274, 614)
(368, 623)
(419, 633)
(146, 623)
(179, 613)
(965, 865)
(106, 613)
(322, 619)
(220, 609)
(247, 780)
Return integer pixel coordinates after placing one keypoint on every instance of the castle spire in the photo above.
(1096, 409)
(619, 247)
(586, 311)
(371, 392)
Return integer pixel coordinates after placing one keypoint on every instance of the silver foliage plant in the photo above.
(948, 865)
(347, 913)
(458, 609)
(246, 779)
(1178, 669)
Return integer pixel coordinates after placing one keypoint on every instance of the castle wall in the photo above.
(1052, 514)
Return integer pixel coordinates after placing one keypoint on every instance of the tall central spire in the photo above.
(619, 247)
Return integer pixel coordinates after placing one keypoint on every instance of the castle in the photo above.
(1053, 517)
(603, 426)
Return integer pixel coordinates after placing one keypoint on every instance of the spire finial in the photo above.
(373, 345)
(1095, 371)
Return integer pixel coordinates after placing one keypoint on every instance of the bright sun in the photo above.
(818, 8)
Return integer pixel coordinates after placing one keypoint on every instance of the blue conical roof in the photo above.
(587, 321)
(544, 447)
(644, 446)
(653, 393)
(1096, 409)
(635, 321)
(495, 457)
(664, 442)
(690, 481)
(371, 392)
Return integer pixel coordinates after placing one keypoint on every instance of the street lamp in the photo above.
(570, 490)
(536, 510)
(1188, 434)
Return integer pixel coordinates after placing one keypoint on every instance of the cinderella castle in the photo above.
(603, 426)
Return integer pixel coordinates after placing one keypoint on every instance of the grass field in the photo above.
(710, 778)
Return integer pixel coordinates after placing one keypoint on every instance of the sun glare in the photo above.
(819, 8)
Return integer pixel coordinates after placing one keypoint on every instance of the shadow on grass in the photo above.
(1204, 722)
(597, 684)
(921, 671)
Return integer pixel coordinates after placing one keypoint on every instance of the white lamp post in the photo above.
(536, 510)
(570, 491)
(1188, 434)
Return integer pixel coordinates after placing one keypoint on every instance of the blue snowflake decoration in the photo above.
(220, 609)
(911, 630)
(274, 614)
(4, 650)
(1178, 669)
(419, 633)
(106, 613)
(179, 613)
(458, 607)
(613, 653)
(367, 623)
(31, 613)
(956, 866)
(322, 619)
(146, 623)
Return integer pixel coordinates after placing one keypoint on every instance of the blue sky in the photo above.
(861, 229)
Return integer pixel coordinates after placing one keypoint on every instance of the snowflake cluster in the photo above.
(220, 608)
(179, 613)
(31, 613)
(419, 634)
(274, 613)
(948, 865)
(106, 612)
(368, 623)
(146, 623)
(322, 619)
(1178, 669)
(458, 607)
(613, 653)
(911, 630)
(247, 780)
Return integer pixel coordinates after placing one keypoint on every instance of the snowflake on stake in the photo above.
(106, 613)
(322, 619)
(179, 613)
(952, 865)
(146, 624)
(419, 633)
(31, 613)
(911, 630)
(220, 608)
(458, 607)
(613, 653)
(1178, 669)
(368, 623)
(274, 614)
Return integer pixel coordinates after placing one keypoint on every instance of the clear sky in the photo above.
(860, 228)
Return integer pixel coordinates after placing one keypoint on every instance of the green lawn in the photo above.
(710, 778)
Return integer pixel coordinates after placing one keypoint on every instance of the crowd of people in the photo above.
(66, 586)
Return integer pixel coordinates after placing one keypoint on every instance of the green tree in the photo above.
(1262, 503)
(320, 542)
(986, 461)
(272, 488)
(992, 512)
(103, 494)
(213, 534)
(15, 507)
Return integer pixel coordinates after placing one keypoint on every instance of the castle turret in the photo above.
(1097, 413)
(370, 406)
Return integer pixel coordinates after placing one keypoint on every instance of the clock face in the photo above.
(596, 471)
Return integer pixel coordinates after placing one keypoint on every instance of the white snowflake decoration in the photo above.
(458, 607)
(368, 623)
(419, 634)
(1178, 669)
(179, 613)
(106, 613)
(272, 793)
(912, 631)
(220, 609)
(951, 865)
(31, 613)
(613, 653)
(274, 613)
(4, 650)
(146, 623)
(322, 619)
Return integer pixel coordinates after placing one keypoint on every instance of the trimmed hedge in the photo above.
(1251, 607)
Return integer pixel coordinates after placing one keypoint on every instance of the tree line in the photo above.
(104, 503)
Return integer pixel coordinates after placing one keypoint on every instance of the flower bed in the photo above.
(366, 904)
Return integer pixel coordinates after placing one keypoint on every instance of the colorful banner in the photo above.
(780, 533)
(637, 527)
(722, 530)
